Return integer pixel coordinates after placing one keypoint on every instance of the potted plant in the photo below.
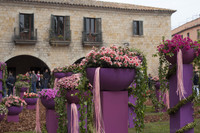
(47, 97)
(65, 71)
(3, 77)
(70, 84)
(3, 111)
(15, 106)
(117, 67)
(21, 77)
(169, 48)
(22, 86)
(31, 100)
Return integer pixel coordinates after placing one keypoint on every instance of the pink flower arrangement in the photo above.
(170, 47)
(30, 95)
(13, 101)
(21, 77)
(48, 93)
(66, 69)
(111, 57)
(70, 83)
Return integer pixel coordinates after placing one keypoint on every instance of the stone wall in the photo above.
(116, 28)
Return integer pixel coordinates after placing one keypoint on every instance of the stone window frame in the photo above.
(137, 28)
(60, 40)
(92, 38)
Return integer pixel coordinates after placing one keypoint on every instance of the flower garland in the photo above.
(186, 127)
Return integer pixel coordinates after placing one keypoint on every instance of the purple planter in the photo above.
(188, 57)
(184, 114)
(23, 89)
(61, 75)
(112, 79)
(13, 113)
(31, 103)
(74, 98)
(48, 103)
(1, 117)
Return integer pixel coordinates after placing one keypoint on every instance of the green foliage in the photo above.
(186, 127)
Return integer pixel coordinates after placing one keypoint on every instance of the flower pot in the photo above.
(15, 110)
(23, 89)
(112, 79)
(188, 57)
(74, 98)
(157, 85)
(30, 101)
(61, 74)
(1, 117)
(48, 103)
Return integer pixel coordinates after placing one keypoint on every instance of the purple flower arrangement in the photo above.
(48, 93)
(170, 47)
(2, 66)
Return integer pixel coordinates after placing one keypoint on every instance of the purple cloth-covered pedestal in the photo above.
(131, 112)
(13, 118)
(115, 111)
(69, 116)
(51, 121)
(184, 115)
(31, 107)
(1, 86)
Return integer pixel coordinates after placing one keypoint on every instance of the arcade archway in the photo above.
(24, 63)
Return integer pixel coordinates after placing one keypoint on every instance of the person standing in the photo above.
(195, 82)
(41, 82)
(46, 78)
(33, 82)
(10, 83)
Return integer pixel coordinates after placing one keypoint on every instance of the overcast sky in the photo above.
(186, 9)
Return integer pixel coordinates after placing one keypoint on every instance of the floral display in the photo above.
(48, 93)
(20, 84)
(13, 101)
(70, 82)
(2, 66)
(3, 109)
(170, 47)
(66, 69)
(111, 57)
(22, 77)
(30, 95)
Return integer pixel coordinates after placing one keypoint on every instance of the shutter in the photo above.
(134, 28)
(52, 29)
(67, 28)
(140, 27)
(98, 29)
(84, 37)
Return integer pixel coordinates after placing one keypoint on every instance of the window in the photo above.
(26, 25)
(198, 34)
(92, 30)
(138, 28)
(60, 28)
(188, 34)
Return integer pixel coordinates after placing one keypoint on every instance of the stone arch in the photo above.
(21, 64)
(78, 61)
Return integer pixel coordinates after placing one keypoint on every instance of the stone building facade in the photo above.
(116, 27)
(190, 29)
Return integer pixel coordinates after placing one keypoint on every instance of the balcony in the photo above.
(92, 39)
(25, 37)
(60, 40)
